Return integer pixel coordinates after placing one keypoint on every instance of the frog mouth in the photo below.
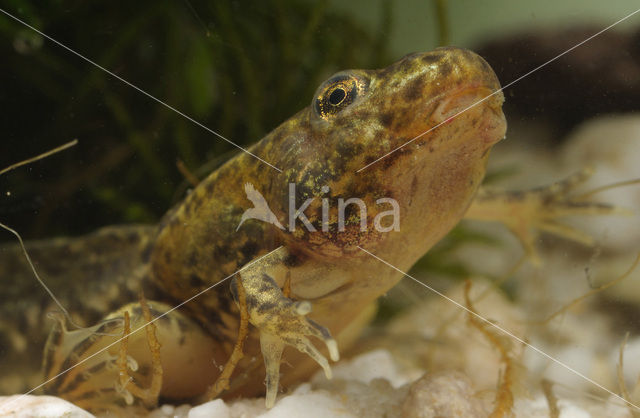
(465, 99)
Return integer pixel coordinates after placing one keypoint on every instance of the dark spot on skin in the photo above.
(182, 340)
(188, 206)
(264, 286)
(292, 261)
(182, 325)
(346, 124)
(414, 90)
(163, 320)
(406, 64)
(77, 380)
(445, 69)
(431, 58)
(384, 73)
(97, 368)
(146, 253)
(249, 250)
(386, 119)
(266, 307)
(221, 253)
(346, 152)
(195, 280)
(154, 312)
(133, 237)
(390, 160)
(278, 136)
(414, 187)
(209, 188)
(352, 214)
(192, 259)
(252, 302)
(167, 257)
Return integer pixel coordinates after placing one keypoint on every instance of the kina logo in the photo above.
(260, 209)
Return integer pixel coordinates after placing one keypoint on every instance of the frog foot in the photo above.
(526, 213)
(281, 321)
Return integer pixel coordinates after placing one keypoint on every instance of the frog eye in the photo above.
(336, 94)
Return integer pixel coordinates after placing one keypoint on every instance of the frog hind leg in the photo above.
(99, 370)
(280, 321)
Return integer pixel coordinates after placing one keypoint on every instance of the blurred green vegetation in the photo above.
(237, 67)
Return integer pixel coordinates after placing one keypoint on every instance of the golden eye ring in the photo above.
(335, 94)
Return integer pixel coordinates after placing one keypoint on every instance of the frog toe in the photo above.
(292, 331)
(281, 322)
(527, 213)
(296, 337)
(322, 333)
(272, 347)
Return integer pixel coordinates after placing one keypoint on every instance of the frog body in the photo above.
(319, 150)
(355, 117)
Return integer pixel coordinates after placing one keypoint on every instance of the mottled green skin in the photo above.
(90, 275)
(197, 242)
(433, 179)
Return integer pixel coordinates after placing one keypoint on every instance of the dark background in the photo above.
(238, 67)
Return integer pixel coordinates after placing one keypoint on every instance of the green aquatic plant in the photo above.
(237, 68)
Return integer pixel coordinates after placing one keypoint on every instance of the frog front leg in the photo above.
(280, 320)
(527, 212)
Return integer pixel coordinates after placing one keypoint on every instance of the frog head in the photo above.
(417, 133)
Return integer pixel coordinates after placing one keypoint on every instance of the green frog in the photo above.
(291, 234)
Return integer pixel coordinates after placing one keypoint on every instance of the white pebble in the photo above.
(213, 409)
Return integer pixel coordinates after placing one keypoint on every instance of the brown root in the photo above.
(222, 382)
(504, 397)
(187, 174)
(547, 389)
(39, 157)
(592, 292)
(130, 389)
